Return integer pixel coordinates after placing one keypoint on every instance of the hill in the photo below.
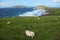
(46, 28)
(20, 6)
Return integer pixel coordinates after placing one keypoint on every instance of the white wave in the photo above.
(38, 12)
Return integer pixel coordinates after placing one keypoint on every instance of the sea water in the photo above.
(13, 12)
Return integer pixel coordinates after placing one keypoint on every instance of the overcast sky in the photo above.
(51, 3)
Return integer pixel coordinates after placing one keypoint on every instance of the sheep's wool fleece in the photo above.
(30, 33)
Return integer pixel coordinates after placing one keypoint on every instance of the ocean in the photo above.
(13, 12)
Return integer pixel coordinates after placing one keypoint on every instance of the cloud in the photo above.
(56, 0)
(2, 3)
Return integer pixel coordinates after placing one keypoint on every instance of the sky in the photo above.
(32, 3)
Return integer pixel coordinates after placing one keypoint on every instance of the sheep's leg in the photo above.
(32, 36)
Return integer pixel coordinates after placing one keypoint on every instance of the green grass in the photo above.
(46, 28)
(54, 11)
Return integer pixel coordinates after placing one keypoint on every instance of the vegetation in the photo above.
(46, 28)
(54, 11)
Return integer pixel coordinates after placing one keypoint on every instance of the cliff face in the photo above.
(44, 8)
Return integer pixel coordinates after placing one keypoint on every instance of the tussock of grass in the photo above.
(46, 28)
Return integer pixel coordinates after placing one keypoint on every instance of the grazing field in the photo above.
(45, 27)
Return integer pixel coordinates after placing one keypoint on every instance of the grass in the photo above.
(55, 11)
(46, 28)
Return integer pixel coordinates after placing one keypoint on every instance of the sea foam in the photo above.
(38, 12)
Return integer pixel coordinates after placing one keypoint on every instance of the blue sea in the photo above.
(13, 12)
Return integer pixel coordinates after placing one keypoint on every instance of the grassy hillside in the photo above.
(46, 28)
(54, 11)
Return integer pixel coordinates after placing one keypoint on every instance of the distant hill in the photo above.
(20, 6)
(42, 7)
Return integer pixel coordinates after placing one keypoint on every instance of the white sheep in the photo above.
(8, 22)
(38, 18)
(30, 33)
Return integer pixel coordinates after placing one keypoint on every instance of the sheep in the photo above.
(38, 18)
(30, 33)
(8, 22)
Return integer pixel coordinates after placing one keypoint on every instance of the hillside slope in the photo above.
(46, 28)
